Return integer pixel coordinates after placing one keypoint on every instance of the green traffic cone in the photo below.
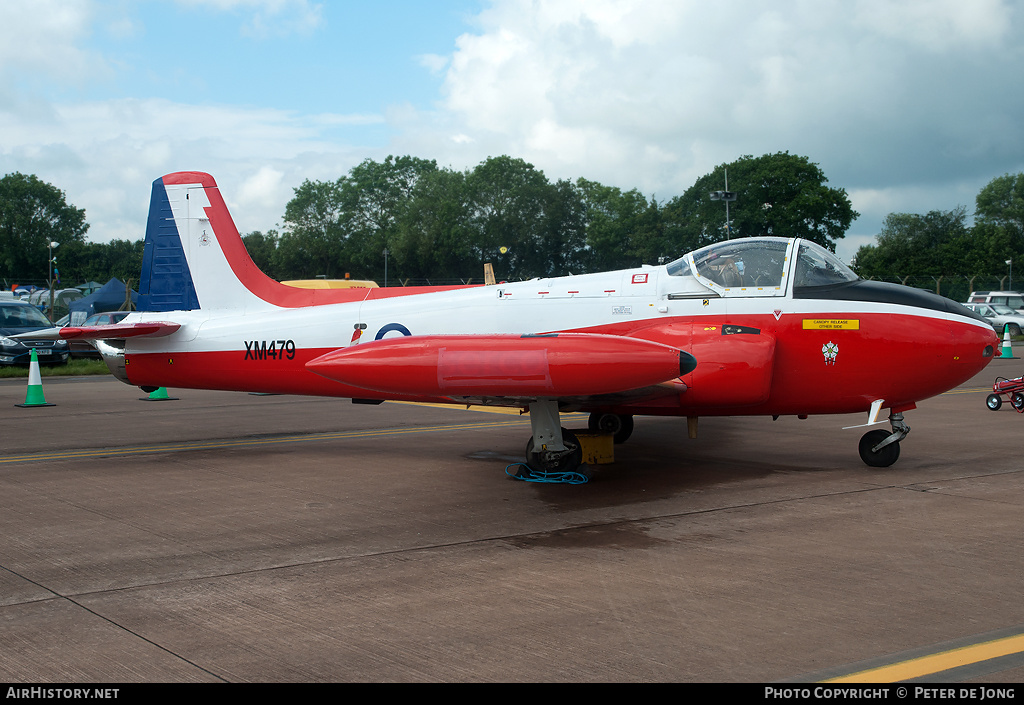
(1007, 352)
(34, 395)
(159, 394)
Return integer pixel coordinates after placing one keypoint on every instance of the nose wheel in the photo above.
(880, 449)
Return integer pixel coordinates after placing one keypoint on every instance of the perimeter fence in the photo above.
(957, 287)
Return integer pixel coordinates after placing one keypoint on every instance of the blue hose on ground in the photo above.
(528, 474)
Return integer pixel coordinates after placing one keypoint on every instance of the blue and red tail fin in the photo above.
(194, 258)
(166, 281)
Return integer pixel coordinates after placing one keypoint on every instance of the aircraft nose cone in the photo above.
(974, 346)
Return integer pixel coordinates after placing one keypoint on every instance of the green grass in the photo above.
(74, 368)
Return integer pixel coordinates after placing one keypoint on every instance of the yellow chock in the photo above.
(34, 395)
(1007, 352)
(598, 448)
(158, 394)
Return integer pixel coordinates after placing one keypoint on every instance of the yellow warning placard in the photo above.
(831, 324)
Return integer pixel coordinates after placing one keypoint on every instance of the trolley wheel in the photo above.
(1017, 401)
(993, 401)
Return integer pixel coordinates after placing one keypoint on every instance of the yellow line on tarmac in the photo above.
(246, 442)
(936, 663)
(512, 411)
(968, 391)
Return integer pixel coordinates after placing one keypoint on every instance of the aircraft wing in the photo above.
(116, 331)
(556, 365)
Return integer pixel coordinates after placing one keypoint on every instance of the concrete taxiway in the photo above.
(233, 537)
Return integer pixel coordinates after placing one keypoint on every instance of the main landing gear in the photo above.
(880, 449)
(619, 425)
(552, 448)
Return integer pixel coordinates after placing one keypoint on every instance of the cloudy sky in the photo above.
(910, 105)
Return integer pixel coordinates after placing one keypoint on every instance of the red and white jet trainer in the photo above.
(764, 326)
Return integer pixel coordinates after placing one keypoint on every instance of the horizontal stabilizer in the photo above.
(555, 365)
(119, 331)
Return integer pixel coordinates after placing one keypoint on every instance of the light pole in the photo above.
(1010, 262)
(726, 196)
(50, 280)
(385, 267)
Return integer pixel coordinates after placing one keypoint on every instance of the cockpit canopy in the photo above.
(759, 267)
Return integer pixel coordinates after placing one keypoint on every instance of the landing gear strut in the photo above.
(880, 449)
(552, 448)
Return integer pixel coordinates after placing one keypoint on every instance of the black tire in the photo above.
(993, 402)
(884, 457)
(619, 425)
(1017, 401)
(548, 462)
(1014, 329)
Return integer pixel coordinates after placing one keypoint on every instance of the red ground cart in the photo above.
(1012, 388)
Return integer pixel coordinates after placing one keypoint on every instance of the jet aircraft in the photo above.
(756, 326)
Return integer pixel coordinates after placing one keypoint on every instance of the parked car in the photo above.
(20, 317)
(1000, 316)
(83, 348)
(1013, 299)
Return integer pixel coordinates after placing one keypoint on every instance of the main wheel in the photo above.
(885, 456)
(556, 461)
(619, 425)
(1017, 401)
(994, 401)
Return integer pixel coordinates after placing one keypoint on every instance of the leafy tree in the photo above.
(316, 231)
(623, 229)
(435, 234)
(262, 249)
(34, 213)
(376, 196)
(508, 197)
(937, 243)
(778, 194)
(1001, 204)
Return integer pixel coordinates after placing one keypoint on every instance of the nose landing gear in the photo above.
(880, 449)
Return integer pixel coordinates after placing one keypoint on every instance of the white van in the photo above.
(1013, 299)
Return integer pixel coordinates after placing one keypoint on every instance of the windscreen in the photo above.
(816, 266)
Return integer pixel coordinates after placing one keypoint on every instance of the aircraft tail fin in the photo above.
(194, 257)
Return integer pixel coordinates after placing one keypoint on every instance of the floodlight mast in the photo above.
(50, 279)
(726, 196)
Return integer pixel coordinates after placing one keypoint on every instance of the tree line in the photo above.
(441, 225)
(942, 246)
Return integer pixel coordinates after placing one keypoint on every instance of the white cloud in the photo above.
(910, 106)
(657, 94)
(42, 37)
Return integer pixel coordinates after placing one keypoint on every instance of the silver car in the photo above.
(1000, 316)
